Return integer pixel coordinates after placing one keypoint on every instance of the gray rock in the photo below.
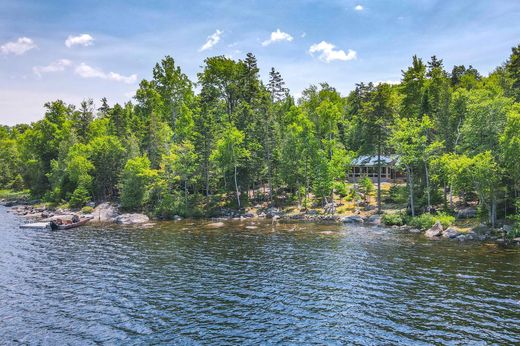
(352, 219)
(105, 212)
(177, 217)
(132, 219)
(450, 233)
(414, 230)
(435, 231)
(467, 236)
(374, 219)
(273, 213)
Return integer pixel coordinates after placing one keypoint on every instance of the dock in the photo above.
(37, 225)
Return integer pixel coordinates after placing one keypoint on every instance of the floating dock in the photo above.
(37, 225)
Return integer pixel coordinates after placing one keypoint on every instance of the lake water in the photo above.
(184, 283)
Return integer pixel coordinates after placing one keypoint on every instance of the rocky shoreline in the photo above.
(107, 213)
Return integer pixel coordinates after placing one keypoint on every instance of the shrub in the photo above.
(393, 219)
(87, 210)
(425, 221)
(80, 197)
(367, 187)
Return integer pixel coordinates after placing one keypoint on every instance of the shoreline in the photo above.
(108, 214)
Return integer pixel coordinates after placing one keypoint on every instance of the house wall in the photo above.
(388, 173)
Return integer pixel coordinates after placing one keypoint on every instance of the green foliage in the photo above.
(426, 221)
(366, 187)
(87, 210)
(79, 197)
(134, 182)
(396, 219)
(397, 194)
(176, 151)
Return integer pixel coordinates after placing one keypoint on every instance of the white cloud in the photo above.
(56, 66)
(81, 40)
(213, 39)
(358, 8)
(19, 47)
(303, 35)
(86, 71)
(328, 52)
(277, 36)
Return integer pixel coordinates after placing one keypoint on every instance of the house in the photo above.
(367, 166)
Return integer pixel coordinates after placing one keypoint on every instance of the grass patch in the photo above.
(14, 195)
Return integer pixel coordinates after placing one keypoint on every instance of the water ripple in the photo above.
(180, 283)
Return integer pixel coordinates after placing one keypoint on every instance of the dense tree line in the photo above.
(240, 141)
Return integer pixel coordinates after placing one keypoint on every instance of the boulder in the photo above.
(105, 212)
(450, 233)
(215, 225)
(132, 219)
(374, 219)
(435, 231)
(273, 213)
(352, 219)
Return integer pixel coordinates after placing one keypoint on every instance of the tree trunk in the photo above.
(445, 196)
(186, 194)
(379, 175)
(410, 185)
(236, 186)
(428, 195)
(307, 183)
(451, 196)
(493, 210)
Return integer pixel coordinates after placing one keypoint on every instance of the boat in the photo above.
(55, 226)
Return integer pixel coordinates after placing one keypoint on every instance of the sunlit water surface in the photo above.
(184, 283)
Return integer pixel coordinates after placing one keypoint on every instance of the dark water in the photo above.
(181, 283)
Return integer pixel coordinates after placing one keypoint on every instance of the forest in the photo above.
(231, 140)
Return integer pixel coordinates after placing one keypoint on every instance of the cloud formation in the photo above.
(213, 39)
(56, 66)
(277, 36)
(18, 47)
(328, 52)
(85, 71)
(80, 40)
(359, 8)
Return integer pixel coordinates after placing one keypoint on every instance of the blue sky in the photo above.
(73, 50)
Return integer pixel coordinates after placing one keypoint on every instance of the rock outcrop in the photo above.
(132, 219)
(374, 220)
(105, 213)
(352, 219)
(435, 231)
(450, 233)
